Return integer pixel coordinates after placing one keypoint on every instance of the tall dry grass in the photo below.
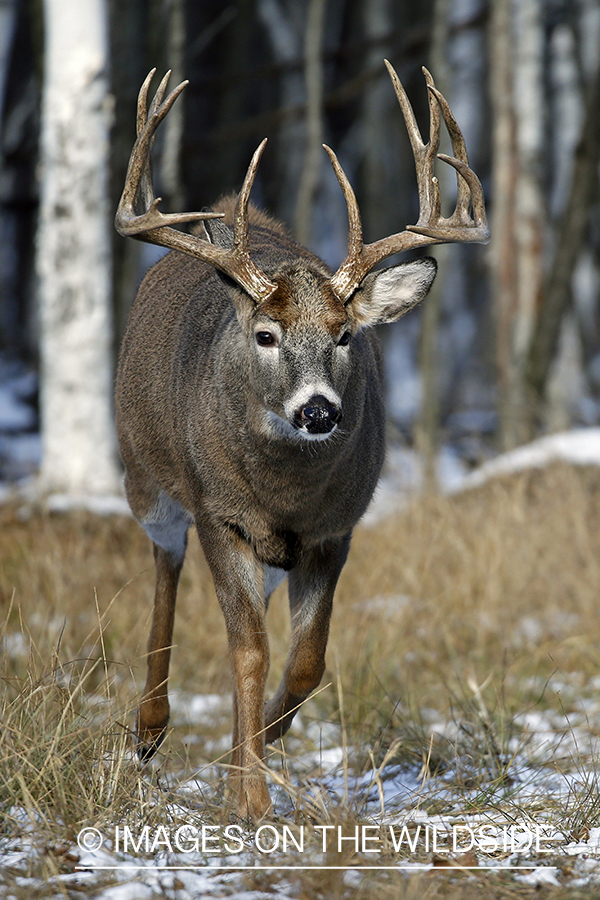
(497, 586)
(472, 609)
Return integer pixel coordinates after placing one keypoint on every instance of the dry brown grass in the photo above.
(498, 583)
(494, 588)
(495, 585)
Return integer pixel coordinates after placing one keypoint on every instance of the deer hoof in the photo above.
(254, 802)
(249, 795)
(147, 741)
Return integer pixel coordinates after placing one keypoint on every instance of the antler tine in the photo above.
(142, 102)
(153, 226)
(476, 198)
(416, 141)
(424, 153)
(240, 218)
(143, 116)
(431, 227)
(354, 220)
(160, 93)
(138, 179)
(427, 182)
(459, 150)
(469, 192)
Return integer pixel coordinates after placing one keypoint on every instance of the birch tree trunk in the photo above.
(73, 254)
(517, 224)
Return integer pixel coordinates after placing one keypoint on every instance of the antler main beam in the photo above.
(467, 224)
(463, 226)
(154, 227)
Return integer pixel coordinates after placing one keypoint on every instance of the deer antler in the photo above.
(155, 227)
(432, 227)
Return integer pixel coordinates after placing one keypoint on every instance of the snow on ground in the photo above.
(403, 473)
(412, 817)
(581, 447)
(396, 818)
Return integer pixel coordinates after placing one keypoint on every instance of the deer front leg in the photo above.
(249, 653)
(311, 587)
(238, 582)
(153, 712)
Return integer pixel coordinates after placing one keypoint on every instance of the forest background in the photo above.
(507, 345)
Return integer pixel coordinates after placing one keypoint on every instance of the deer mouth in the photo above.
(301, 430)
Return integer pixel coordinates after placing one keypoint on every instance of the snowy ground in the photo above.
(400, 818)
(403, 475)
(397, 818)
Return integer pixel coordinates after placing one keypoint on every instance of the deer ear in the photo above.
(221, 235)
(386, 295)
(218, 233)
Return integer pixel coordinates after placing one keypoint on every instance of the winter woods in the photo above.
(508, 348)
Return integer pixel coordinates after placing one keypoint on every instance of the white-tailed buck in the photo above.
(249, 404)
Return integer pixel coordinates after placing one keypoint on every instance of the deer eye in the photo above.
(344, 340)
(265, 339)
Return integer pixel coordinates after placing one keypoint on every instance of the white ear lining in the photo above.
(385, 296)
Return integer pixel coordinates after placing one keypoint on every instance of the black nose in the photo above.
(319, 416)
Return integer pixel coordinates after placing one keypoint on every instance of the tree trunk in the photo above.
(171, 176)
(517, 224)
(313, 73)
(569, 240)
(8, 250)
(376, 103)
(73, 254)
(284, 24)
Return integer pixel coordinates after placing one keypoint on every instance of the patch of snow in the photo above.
(450, 470)
(402, 477)
(397, 797)
(328, 759)
(99, 504)
(196, 707)
(580, 447)
(95, 859)
(134, 890)
(541, 875)
(386, 606)
(13, 645)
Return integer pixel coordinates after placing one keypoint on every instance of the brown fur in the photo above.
(249, 402)
(256, 216)
(286, 308)
(197, 405)
(250, 405)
